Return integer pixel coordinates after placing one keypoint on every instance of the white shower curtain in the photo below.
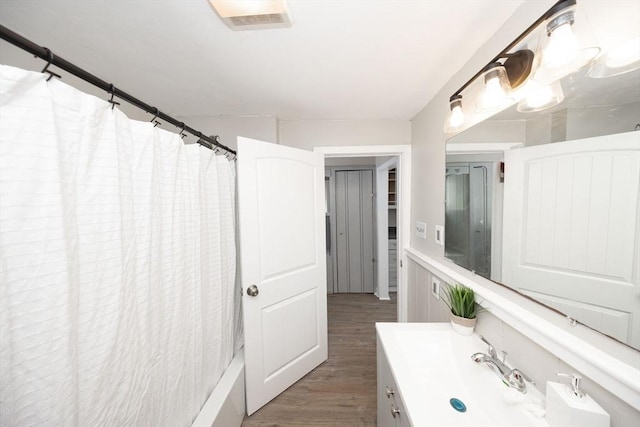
(117, 261)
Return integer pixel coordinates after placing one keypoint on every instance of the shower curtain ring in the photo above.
(155, 116)
(112, 89)
(46, 67)
(182, 134)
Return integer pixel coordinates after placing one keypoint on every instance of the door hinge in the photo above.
(400, 263)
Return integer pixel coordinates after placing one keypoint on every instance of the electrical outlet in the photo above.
(421, 230)
(439, 235)
(435, 287)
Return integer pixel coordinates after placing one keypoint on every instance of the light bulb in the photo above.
(624, 55)
(562, 48)
(623, 59)
(457, 117)
(494, 94)
(538, 96)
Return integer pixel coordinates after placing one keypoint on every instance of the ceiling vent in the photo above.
(252, 14)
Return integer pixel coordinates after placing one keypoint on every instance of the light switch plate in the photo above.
(435, 287)
(439, 235)
(421, 230)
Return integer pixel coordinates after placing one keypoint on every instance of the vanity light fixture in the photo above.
(559, 52)
(455, 119)
(622, 59)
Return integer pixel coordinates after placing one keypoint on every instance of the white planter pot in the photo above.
(462, 325)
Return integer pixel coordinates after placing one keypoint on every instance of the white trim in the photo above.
(481, 147)
(225, 406)
(403, 152)
(618, 377)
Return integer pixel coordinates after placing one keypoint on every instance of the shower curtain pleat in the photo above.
(117, 250)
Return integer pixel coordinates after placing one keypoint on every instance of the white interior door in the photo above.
(283, 272)
(571, 229)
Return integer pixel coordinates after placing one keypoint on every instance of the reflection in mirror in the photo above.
(563, 226)
(468, 214)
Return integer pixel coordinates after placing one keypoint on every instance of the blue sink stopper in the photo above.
(458, 405)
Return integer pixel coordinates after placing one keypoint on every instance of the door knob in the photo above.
(252, 291)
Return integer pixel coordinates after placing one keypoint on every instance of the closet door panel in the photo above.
(354, 232)
(341, 232)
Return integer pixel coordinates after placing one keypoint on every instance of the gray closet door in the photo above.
(354, 224)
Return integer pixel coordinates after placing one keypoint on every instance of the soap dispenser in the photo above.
(569, 405)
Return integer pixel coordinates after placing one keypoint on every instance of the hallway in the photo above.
(341, 391)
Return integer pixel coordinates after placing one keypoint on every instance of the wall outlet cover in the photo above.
(435, 287)
(421, 230)
(439, 235)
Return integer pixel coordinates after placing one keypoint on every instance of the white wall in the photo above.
(307, 134)
(229, 128)
(350, 161)
(493, 131)
(428, 176)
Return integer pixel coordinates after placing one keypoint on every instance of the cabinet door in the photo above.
(390, 409)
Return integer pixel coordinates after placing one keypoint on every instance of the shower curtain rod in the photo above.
(47, 55)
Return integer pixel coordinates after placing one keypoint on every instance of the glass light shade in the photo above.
(455, 118)
(560, 48)
(497, 89)
(539, 97)
(563, 47)
(622, 59)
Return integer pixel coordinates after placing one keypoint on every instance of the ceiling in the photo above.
(350, 59)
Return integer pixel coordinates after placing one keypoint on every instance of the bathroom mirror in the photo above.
(548, 202)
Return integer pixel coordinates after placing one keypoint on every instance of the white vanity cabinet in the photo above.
(391, 412)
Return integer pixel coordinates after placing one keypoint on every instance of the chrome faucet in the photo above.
(491, 359)
(516, 379)
(513, 378)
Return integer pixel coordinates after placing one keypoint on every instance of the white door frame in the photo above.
(403, 188)
(382, 208)
(332, 213)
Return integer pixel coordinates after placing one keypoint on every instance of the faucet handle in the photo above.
(516, 379)
(491, 350)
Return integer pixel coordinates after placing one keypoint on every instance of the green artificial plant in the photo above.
(461, 300)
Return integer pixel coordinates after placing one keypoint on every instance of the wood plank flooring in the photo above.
(341, 391)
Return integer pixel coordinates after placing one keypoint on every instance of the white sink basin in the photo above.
(431, 364)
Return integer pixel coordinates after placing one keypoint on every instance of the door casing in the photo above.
(403, 153)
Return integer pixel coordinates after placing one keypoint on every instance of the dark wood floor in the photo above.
(341, 391)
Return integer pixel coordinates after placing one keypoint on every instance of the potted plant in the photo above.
(461, 300)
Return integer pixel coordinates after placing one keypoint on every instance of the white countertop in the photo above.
(431, 364)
